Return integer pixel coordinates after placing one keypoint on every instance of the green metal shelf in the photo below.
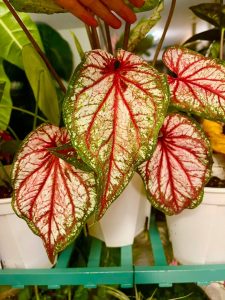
(125, 274)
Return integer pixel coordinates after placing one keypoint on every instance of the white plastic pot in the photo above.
(197, 235)
(19, 246)
(125, 218)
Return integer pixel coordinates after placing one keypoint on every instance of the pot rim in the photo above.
(214, 190)
(5, 200)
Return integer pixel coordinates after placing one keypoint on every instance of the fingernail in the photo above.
(115, 24)
(131, 18)
(89, 20)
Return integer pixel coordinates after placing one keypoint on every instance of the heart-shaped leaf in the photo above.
(53, 196)
(199, 83)
(180, 166)
(114, 109)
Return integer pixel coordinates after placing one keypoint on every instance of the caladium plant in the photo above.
(117, 122)
(115, 113)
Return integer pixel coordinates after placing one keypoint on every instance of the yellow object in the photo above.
(214, 131)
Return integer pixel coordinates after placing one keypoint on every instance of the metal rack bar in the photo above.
(126, 274)
(127, 261)
(67, 276)
(157, 247)
(94, 258)
(167, 275)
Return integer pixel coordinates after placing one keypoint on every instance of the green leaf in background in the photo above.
(12, 36)
(2, 86)
(42, 84)
(34, 6)
(214, 50)
(208, 35)
(210, 12)
(143, 27)
(148, 5)
(81, 293)
(57, 50)
(78, 46)
(142, 48)
(5, 100)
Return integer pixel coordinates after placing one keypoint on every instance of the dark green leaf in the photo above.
(57, 50)
(210, 12)
(208, 35)
(42, 84)
(12, 36)
(40, 6)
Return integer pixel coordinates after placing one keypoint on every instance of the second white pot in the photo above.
(197, 235)
(125, 218)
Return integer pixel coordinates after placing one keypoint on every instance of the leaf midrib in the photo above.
(10, 34)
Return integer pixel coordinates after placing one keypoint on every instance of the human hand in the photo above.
(85, 9)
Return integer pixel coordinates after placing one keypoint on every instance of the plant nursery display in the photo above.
(120, 116)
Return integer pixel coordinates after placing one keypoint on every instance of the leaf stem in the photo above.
(169, 18)
(95, 38)
(88, 30)
(24, 111)
(13, 133)
(221, 42)
(35, 45)
(102, 32)
(126, 36)
(36, 292)
(36, 106)
(108, 37)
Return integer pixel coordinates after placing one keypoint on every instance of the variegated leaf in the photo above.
(199, 83)
(114, 109)
(53, 197)
(180, 166)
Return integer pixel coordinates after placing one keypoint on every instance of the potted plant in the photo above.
(19, 247)
(196, 234)
(121, 116)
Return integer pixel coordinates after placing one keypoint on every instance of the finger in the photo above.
(78, 10)
(102, 11)
(137, 3)
(120, 8)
